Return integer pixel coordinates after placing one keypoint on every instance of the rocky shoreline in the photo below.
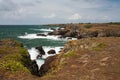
(96, 51)
(79, 32)
(87, 31)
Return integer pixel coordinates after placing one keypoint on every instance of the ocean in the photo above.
(27, 34)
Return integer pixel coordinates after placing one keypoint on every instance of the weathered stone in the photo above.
(41, 35)
(51, 51)
(41, 50)
(34, 68)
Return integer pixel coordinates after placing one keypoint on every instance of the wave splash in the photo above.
(34, 36)
(34, 53)
(46, 30)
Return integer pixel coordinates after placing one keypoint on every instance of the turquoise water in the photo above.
(27, 35)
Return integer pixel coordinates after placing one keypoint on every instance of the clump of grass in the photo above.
(15, 56)
(69, 54)
(88, 26)
(13, 66)
(99, 47)
(13, 63)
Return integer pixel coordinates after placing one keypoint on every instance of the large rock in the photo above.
(41, 35)
(51, 51)
(39, 56)
(58, 32)
(34, 68)
(41, 50)
(70, 34)
(47, 65)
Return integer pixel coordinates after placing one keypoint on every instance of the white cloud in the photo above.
(75, 16)
(61, 11)
(53, 15)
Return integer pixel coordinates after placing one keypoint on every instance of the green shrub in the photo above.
(88, 26)
(13, 66)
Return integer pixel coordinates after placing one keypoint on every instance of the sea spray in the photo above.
(34, 36)
(34, 53)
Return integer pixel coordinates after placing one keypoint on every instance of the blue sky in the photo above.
(58, 11)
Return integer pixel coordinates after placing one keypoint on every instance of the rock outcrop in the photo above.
(41, 50)
(47, 65)
(41, 35)
(85, 32)
(34, 67)
(51, 51)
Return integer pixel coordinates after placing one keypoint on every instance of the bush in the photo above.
(88, 26)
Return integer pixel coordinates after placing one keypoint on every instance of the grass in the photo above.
(15, 57)
(13, 66)
(99, 47)
(69, 54)
(88, 26)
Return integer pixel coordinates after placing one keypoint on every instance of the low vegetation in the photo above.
(13, 57)
(88, 26)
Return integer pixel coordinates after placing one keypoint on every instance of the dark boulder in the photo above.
(94, 34)
(51, 51)
(41, 35)
(58, 32)
(70, 34)
(54, 33)
(34, 68)
(41, 50)
(39, 56)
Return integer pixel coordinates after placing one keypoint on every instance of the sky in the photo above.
(58, 11)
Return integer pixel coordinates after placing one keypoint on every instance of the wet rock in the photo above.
(39, 56)
(70, 34)
(51, 51)
(41, 50)
(58, 32)
(34, 68)
(41, 35)
(53, 29)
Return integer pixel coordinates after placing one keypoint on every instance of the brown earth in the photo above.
(89, 59)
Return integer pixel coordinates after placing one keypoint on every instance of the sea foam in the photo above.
(34, 53)
(34, 36)
(46, 30)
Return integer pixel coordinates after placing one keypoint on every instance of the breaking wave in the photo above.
(34, 53)
(34, 36)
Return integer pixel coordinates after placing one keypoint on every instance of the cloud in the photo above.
(38, 1)
(75, 16)
(60, 11)
(7, 5)
(53, 15)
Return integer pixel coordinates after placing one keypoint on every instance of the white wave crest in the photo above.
(46, 30)
(34, 36)
(34, 53)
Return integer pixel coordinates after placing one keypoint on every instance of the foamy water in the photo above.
(34, 53)
(34, 36)
(47, 30)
